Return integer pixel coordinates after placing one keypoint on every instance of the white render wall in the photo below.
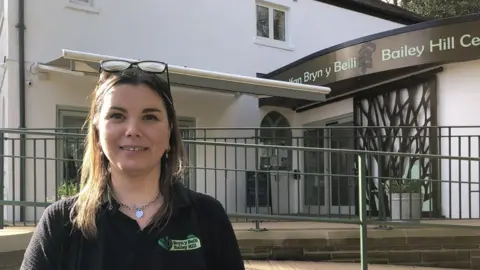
(191, 34)
(458, 96)
(3, 75)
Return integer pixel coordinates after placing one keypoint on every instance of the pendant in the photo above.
(139, 213)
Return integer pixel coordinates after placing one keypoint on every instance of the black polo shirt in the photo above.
(199, 236)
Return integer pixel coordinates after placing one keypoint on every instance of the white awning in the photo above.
(82, 64)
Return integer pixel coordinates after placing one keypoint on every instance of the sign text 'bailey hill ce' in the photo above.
(442, 44)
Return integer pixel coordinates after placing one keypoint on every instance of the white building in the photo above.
(65, 39)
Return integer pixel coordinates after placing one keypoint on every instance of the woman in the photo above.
(132, 212)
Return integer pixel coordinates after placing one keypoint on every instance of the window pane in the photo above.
(278, 25)
(73, 148)
(262, 21)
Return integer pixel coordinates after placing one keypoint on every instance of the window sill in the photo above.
(85, 8)
(274, 43)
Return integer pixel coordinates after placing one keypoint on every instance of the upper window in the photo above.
(271, 22)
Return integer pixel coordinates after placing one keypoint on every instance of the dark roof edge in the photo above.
(379, 9)
(396, 31)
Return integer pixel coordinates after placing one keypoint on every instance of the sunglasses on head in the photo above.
(113, 66)
(152, 67)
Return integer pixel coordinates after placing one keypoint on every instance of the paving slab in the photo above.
(294, 265)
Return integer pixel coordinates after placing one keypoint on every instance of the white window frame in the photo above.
(63, 111)
(79, 5)
(270, 41)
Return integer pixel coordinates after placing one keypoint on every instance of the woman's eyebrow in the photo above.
(116, 108)
(146, 110)
(150, 110)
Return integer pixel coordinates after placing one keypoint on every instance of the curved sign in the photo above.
(441, 44)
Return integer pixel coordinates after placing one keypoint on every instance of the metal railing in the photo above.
(329, 182)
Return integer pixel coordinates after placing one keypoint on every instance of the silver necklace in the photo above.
(139, 209)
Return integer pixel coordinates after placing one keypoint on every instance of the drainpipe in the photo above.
(21, 90)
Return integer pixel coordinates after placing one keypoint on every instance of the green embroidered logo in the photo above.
(190, 243)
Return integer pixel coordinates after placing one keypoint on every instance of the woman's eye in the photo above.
(116, 116)
(150, 117)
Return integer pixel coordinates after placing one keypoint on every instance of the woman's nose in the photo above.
(133, 129)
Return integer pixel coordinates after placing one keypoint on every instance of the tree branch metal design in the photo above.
(396, 121)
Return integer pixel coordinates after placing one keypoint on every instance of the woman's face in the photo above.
(133, 128)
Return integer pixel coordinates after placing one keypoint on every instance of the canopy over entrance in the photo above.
(82, 64)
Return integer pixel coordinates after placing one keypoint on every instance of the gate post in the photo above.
(2, 180)
(362, 196)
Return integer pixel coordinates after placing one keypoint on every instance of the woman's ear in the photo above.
(97, 135)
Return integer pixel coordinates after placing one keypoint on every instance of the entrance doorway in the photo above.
(329, 183)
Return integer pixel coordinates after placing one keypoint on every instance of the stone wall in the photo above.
(398, 247)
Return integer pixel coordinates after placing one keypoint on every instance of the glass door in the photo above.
(340, 167)
(329, 176)
(314, 188)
